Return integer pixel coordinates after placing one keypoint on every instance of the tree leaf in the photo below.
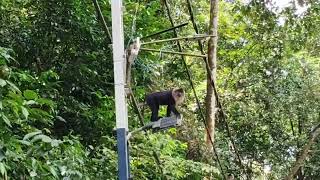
(14, 87)
(29, 135)
(46, 139)
(63, 170)
(30, 95)
(2, 169)
(43, 138)
(6, 120)
(25, 142)
(2, 83)
(25, 112)
(61, 119)
(44, 101)
(30, 102)
(53, 172)
(33, 174)
(55, 142)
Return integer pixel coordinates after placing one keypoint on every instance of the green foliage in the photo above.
(56, 90)
(28, 147)
(171, 153)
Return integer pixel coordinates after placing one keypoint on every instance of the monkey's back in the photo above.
(160, 98)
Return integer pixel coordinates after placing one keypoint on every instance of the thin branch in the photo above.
(135, 105)
(100, 16)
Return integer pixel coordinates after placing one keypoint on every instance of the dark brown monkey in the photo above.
(170, 98)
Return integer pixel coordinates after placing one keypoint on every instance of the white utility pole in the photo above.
(120, 96)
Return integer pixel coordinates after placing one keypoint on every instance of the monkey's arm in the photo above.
(154, 115)
(172, 108)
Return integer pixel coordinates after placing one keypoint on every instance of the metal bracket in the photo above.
(161, 124)
(165, 123)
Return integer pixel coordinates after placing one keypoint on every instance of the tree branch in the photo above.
(304, 153)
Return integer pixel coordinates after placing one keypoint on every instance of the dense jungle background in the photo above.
(57, 113)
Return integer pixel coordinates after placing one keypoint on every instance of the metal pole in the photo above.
(120, 97)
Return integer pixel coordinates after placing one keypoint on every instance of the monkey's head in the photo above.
(178, 95)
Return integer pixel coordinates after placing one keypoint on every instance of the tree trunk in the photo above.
(210, 101)
(304, 153)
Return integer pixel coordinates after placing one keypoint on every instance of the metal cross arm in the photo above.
(188, 38)
(166, 30)
(161, 124)
(173, 52)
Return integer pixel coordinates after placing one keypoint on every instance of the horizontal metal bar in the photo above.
(161, 124)
(188, 38)
(171, 52)
(166, 30)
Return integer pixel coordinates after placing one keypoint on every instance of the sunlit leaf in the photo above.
(30, 102)
(44, 101)
(29, 135)
(5, 119)
(25, 112)
(63, 170)
(14, 87)
(61, 119)
(30, 95)
(53, 172)
(2, 169)
(55, 142)
(33, 174)
(42, 137)
(2, 82)
(25, 142)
